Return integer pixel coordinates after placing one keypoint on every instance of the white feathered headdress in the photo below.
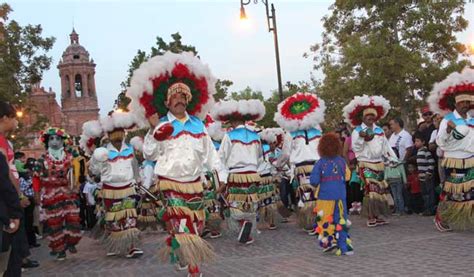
(442, 97)
(118, 121)
(300, 111)
(353, 112)
(155, 78)
(244, 110)
(91, 135)
(271, 135)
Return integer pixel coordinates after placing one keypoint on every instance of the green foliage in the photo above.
(247, 94)
(397, 49)
(23, 57)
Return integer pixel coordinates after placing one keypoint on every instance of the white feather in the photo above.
(270, 134)
(440, 89)
(216, 131)
(366, 100)
(251, 107)
(118, 121)
(310, 120)
(141, 81)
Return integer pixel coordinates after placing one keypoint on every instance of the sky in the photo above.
(113, 30)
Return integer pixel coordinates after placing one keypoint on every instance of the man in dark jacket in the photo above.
(10, 213)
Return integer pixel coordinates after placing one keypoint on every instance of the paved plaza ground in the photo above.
(410, 245)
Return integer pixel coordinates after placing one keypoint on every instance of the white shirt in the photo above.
(374, 150)
(120, 169)
(453, 148)
(88, 190)
(186, 154)
(433, 136)
(240, 151)
(401, 142)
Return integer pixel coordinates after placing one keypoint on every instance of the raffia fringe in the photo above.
(458, 188)
(458, 215)
(305, 215)
(244, 178)
(116, 216)
(263, 196)
(282, 210)
(378, 196)
(147, 205)
(267, 213)
(458, 163)
(382, 184)
(120, 242)
(118, 194)
(266, 180)
(374, 166)
(199, 214)
(146, 218)
(305, 169)
(191, 188)
(243, 197)
(193, 250)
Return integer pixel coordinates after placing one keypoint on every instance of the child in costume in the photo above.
(371, 148)
(60, 207)
(241, 155)
(267, 190)
(329, 176)
(117, 167)
(149, 205)
(301, 115)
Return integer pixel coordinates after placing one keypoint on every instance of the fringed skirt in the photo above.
(214, 213)
(267, 199)
(242, 197)
(148, 210)
(307, 196)
(377, 194)
(456, 207)
(184, 215)
(332, 225)
(120, 204)
(62, 224)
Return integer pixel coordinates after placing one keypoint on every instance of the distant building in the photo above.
(78, 96)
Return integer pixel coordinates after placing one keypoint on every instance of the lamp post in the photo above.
(272, 27)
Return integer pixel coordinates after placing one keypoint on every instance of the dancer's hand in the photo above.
(450, 126)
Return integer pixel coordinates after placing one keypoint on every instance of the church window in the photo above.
(78, 85)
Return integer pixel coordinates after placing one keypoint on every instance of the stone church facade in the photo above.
(78, 96)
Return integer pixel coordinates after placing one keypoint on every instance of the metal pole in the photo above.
(277, 53)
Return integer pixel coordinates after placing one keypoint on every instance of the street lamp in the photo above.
(272, 27)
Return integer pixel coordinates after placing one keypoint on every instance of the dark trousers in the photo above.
(427, 191)
(20, 249)
(287, 193)
(91, 218)
(416, 202)
(354, 193)
(29, 221)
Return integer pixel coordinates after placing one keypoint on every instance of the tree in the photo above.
(397, 49)
(175, 46)
(23, 57)
(247, 94)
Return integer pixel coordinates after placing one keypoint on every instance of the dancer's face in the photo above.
(55, 142)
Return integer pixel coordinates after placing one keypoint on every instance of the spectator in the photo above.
(396, 178)
(425, 166)
(20, 160)
(387, 131)
(415, 203)
(10, 213)
(439, 175)
(89, 194)
(400, 138)
(426, 127)
(27, 190)
(355, 193)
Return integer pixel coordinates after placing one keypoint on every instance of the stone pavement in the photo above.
(410, 245)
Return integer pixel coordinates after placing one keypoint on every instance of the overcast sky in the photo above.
(113, 31)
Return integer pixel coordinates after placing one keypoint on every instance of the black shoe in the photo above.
(61, 256)
(36, 245)
(72, 249)
(29, 264)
